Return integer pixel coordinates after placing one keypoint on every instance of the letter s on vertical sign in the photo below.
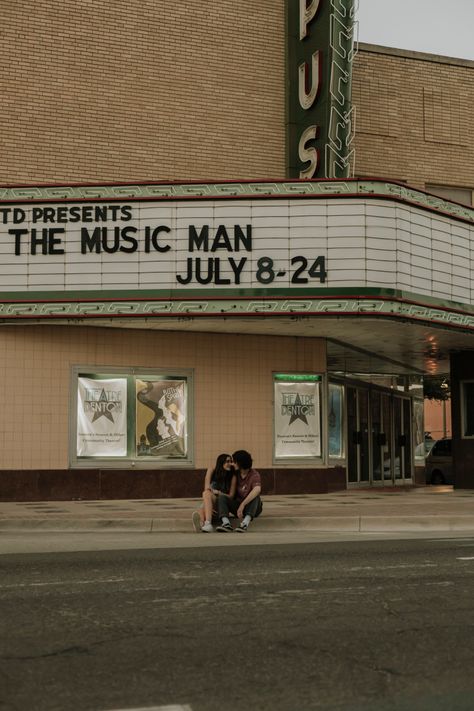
(308, 153)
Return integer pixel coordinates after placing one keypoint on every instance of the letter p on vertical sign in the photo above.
(307, 13)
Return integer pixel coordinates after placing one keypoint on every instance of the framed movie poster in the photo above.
(101, 417)
(297, 416)
(161, 415)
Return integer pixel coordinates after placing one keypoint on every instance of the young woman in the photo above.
(220, 479)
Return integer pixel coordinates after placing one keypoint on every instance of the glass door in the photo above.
(358, 446)
(386, 438)
(352, 436)
(364, 453)
(402, 436)
(376, 430)
(408, 439)
(379, 437)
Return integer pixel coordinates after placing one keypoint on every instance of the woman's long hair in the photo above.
(221, 476)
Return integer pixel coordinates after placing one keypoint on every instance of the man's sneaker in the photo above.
(196, 521)
(224, 527)
(207, 527)
(241, 528)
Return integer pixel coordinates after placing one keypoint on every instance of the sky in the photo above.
(436, 26)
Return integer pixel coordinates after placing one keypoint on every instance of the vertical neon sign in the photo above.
(318, 87)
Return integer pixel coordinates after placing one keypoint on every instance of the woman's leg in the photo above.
(208, 499)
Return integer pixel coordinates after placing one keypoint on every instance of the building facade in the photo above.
(168, 293)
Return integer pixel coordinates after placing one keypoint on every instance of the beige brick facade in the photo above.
(120, 90)
(158, 90)
(414, 119)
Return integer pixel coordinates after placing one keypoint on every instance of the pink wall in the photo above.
(434, 418)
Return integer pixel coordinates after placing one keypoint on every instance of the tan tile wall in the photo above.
(232, 379)
(414, 120)
(119, 90)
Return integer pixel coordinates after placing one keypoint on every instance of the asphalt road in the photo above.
(372, 625)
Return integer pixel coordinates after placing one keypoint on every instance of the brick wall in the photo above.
(119, 90)
(127, 90)
(414, 118)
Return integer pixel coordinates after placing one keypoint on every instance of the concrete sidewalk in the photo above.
(369, 510)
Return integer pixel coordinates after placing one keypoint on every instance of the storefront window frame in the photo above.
(131, 460)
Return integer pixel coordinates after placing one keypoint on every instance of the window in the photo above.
(131, 416)
(442, 448)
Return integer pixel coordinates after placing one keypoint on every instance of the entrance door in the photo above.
(358, 440)
(386, 439)
(402, 439)
(379, 446)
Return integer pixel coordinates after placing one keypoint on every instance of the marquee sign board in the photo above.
(320, 50)
(154, 245)
(302, 247)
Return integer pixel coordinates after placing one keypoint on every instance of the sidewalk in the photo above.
(424, 509)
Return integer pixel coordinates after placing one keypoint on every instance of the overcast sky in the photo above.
(435, 26)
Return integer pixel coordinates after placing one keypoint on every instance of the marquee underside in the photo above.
(355, 344)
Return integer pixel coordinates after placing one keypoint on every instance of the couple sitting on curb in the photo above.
(232, 486)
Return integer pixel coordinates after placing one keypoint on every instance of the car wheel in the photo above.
(437, 477)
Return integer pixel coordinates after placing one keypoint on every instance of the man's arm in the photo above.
(250, 497)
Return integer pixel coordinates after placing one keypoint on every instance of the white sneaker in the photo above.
(196, 521)
(207, 527)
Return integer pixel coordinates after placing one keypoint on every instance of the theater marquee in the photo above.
(227, 250)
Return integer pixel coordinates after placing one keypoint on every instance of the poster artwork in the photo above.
(297, 423)
(161, 418)
(102, 417)
(335, 420)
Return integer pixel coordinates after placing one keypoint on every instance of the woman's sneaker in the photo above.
(241, 528)
(207, 527)
(224, 527)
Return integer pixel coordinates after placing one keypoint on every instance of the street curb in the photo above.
(346, 524)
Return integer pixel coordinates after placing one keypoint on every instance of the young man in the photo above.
(247, 504)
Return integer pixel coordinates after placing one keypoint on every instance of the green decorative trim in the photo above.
(284, 189)
(225, 297)
(293, 378)
(182, 309)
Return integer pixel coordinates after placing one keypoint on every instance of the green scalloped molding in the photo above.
(382, 307)
(258, 189)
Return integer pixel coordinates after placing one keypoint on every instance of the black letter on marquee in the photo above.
(221, 240)
(17, 234)
(189, 275)
(127, 238)
(90, 242)
(197, 240)
(53, 241)
(154, 238)
(240, 237)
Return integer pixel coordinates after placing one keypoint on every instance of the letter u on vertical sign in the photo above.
(307, 98)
